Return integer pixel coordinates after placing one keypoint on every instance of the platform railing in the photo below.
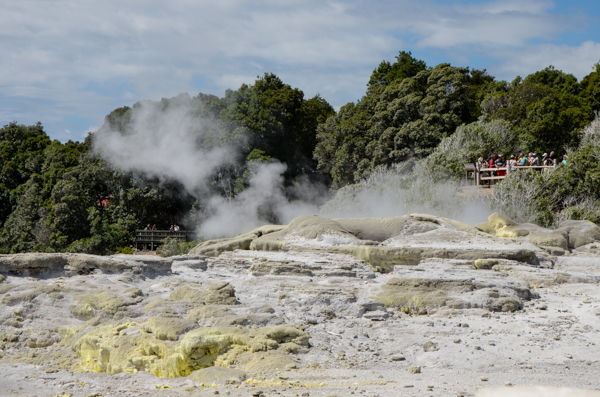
(154, 238)
(492, 173)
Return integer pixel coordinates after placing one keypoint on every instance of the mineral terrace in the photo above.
(406, 306)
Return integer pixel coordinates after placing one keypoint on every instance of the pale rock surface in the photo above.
(301, 310)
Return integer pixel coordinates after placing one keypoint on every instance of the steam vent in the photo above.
(414, 305)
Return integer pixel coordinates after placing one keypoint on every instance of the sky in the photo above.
(67, 64)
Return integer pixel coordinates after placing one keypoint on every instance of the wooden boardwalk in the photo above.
(490, 175)
(154, 238)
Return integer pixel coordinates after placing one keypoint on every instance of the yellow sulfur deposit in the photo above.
(498, 221)
(511, 231)
(114, 349)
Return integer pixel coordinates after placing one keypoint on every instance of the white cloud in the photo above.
(576, 60)
(83, 59)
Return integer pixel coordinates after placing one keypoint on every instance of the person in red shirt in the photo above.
(492, 164)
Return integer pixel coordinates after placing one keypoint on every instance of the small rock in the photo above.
(464, 325)
(508, 384)
(290, 366)
(478, 348)
(305, 394)
(542, 307)
(414, 370)
(486, 315)
(568, 356)
(376, 315)
(492, 343)
(430, 347)
(408, 386)
(484, 378)
(397, 357)
(529, 366)
(457, 340)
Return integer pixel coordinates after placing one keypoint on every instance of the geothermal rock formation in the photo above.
(413, 305)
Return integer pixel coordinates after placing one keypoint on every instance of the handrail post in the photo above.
(477, 173)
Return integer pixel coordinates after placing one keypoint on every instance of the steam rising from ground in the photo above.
(173, 144)
(265, 200)
(408, 188)
(168, 144)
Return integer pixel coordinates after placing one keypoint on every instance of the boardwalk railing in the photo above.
(154, 238)
(491, 174)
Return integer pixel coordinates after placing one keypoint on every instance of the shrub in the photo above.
(524, 197)
(479, 139)
(171, 247)
(125, 250)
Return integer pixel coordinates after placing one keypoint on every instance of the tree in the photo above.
(21, 155)
(548, 104)
(590, 88)
(408, 118)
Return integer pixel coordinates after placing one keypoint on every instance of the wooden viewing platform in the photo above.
(477, 170)
(154, 238)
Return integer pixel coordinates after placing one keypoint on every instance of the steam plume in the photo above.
(174, 144)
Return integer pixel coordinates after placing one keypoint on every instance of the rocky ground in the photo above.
(411, 306)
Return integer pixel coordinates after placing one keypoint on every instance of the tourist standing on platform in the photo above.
(492, 164)
(483, 164)
(513, 162)
(501, 163)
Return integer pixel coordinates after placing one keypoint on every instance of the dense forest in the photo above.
(67, 197)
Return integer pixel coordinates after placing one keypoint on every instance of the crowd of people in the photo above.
(515, 162)
(173, 228)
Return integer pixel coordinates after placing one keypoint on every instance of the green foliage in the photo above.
(524, 196)
(124, 250)
(570, 191)
(590, 88)
(479, 139)
(405, 66)
(409, 109)
(407, 119)
(413, 129)
(548, 105)
(21, 155)
(171, 247)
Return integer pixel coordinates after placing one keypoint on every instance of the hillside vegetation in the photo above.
(65, 197)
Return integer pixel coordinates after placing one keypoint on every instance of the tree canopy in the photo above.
(65, 197)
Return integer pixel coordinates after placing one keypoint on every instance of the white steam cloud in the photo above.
(264, 200)
(172, 143)
(167, 144)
